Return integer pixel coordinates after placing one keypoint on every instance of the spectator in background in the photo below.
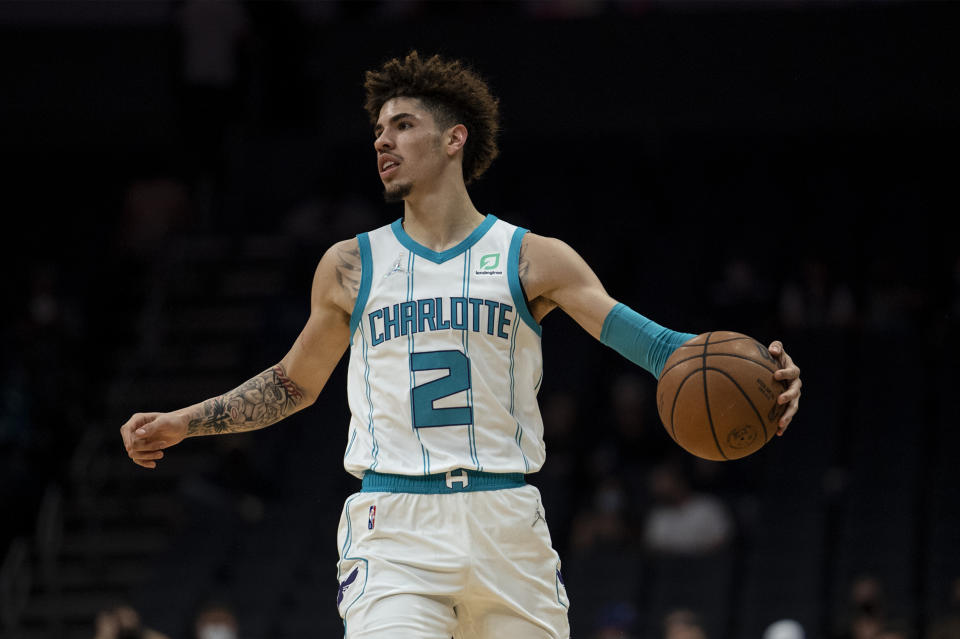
(894, 632)
(640, 438)
(742, 296)
(558, 480)
(123, 622)
(784, 629)
(947, 625)
(816, 299)
(616, 621)
(894, 299)
(682, 521)
(601, 537)
(603, 525)
(866, 614)
(683, 624)
(216, 620)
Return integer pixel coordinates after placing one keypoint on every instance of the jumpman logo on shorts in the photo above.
(538, 516)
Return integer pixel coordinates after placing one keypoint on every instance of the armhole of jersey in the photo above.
(366, 277)
(513, 276)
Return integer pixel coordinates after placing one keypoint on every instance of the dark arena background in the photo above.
(786, 169)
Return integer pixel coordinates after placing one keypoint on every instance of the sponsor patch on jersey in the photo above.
(489, 265)
(372, 518)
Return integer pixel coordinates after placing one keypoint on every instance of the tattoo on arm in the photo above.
(524, 264)
(257, 403)
(348, 270)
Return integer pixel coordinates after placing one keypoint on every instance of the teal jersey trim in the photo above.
(375, 447)
(366, 277)
(441, 257)
(465, 340)
(513, 278)
(353, 437)
(519, 434)
(642, 341)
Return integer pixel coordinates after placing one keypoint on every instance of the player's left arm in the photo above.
(554, 275)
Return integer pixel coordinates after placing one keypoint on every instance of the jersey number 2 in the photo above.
(457, 380)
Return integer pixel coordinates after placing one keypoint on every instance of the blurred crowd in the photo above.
(615, 495)
(212, 620)
(866, 615)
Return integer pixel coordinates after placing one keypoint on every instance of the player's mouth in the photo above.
(388, 165)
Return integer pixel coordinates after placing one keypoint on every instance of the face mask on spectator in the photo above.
(216, 631)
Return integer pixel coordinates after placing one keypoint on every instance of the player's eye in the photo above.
(404, 125)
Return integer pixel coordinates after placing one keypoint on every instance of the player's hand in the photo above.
(145, 435)
(789, 373)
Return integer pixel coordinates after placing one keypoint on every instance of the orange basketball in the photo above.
(717, 396)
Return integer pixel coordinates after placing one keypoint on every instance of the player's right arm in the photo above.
(283, 389)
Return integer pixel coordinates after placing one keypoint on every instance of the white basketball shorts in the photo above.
(451, 557)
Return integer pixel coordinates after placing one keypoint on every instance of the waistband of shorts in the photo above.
(454, 481)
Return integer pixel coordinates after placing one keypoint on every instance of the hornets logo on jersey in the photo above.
(445, 357)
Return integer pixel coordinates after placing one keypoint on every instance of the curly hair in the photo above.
(452, 92)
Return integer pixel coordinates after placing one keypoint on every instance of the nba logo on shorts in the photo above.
(372, 517)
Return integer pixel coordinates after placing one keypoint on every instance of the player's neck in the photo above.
(442, 218)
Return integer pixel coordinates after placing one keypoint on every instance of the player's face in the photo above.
(408, 145)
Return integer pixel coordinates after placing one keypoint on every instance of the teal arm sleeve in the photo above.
(642, 341)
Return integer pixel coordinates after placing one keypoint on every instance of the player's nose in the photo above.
(382, 143)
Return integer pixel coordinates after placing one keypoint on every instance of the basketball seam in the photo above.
(706, 398)
(720, 341)
(673, 407)
(701, 356)
(745, 396)
(749, 359)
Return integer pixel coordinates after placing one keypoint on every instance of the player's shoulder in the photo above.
(350, 245)
(546, 263)
(344, 251)
(544, 248)
(339, 268)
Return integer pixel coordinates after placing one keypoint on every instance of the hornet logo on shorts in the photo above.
(346, 583)
(488, 265)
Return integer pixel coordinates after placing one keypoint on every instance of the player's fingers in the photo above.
(146, 463)
(145, 443)
(148, 455)
(788, 416)
(792, 393)
(145, 430)
(126, 431)
(137, 422)
(788, 370)
(776, 348)
(783, 358)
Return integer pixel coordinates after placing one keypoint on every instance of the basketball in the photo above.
(717, 396)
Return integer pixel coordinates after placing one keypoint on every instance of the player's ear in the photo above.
(456, 137)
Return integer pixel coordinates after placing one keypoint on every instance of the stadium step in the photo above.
(70, 608)
(115, 543)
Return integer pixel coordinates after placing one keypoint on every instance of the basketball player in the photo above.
(441, 311)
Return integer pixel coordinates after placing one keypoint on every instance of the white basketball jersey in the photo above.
(445, 359)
